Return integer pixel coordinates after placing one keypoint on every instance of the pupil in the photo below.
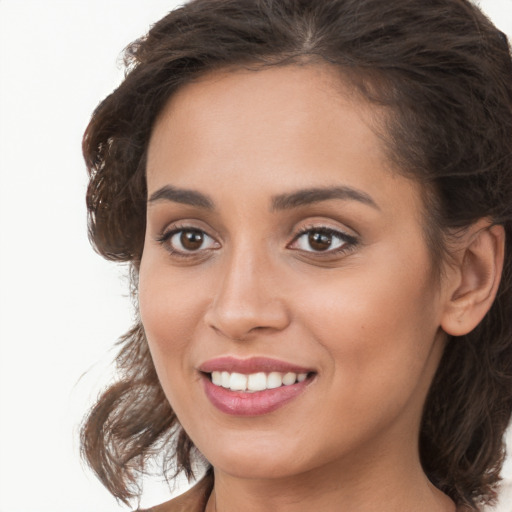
(191, 240)
(320, 241)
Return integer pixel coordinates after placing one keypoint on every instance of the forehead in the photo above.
(276, 128)
(286, 104)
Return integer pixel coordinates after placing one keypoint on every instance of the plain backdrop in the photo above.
(61, 306)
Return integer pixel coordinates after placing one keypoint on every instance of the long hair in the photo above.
(443, 73)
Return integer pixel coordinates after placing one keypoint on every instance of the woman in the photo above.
(315, 201)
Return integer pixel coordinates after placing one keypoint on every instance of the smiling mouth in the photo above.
(253, 386)
(254, 382)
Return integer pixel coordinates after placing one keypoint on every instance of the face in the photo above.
(286, 287)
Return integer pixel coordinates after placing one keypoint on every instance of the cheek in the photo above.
(378, 328)
(169, 302)
(170, 314)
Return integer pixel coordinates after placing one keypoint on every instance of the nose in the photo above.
(248, 299)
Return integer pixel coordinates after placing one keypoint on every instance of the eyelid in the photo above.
(350, 241)
(184, 224)
(171, 230)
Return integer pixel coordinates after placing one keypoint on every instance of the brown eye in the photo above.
(319, 241)
(188, 241)
(191, 240)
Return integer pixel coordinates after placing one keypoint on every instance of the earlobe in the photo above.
(476, 280)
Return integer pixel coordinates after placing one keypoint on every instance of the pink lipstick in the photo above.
(255, 386)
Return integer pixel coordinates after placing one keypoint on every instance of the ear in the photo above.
(475, 277)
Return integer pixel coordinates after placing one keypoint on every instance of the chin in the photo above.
(254, 460)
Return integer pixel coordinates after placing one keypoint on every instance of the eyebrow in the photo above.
(314, 195)
(183, 196)
(289, 201)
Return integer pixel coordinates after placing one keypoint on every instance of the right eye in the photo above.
(187, 241)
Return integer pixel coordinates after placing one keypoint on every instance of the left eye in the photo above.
(321, 240)
(189, 240)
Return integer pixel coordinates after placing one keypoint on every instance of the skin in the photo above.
(367, 319)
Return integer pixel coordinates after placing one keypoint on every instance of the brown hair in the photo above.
(444, 73)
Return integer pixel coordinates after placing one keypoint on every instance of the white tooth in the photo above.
(217, 378)
(238, 382)
(224, 379)
(274, 380)
(289, 378)
(257, 382)
(301, 377)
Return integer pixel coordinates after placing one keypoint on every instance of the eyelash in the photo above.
(348, 241)
(167, 236)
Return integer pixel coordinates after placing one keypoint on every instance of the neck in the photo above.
(376, 487)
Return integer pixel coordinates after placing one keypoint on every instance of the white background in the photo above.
(61, 305)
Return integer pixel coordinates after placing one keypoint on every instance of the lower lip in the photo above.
(238, 403)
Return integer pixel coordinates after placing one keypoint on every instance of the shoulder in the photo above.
(194, 500)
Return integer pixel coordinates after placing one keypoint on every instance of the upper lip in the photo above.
(251, 365)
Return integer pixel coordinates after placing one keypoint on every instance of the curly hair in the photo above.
(443, 72)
